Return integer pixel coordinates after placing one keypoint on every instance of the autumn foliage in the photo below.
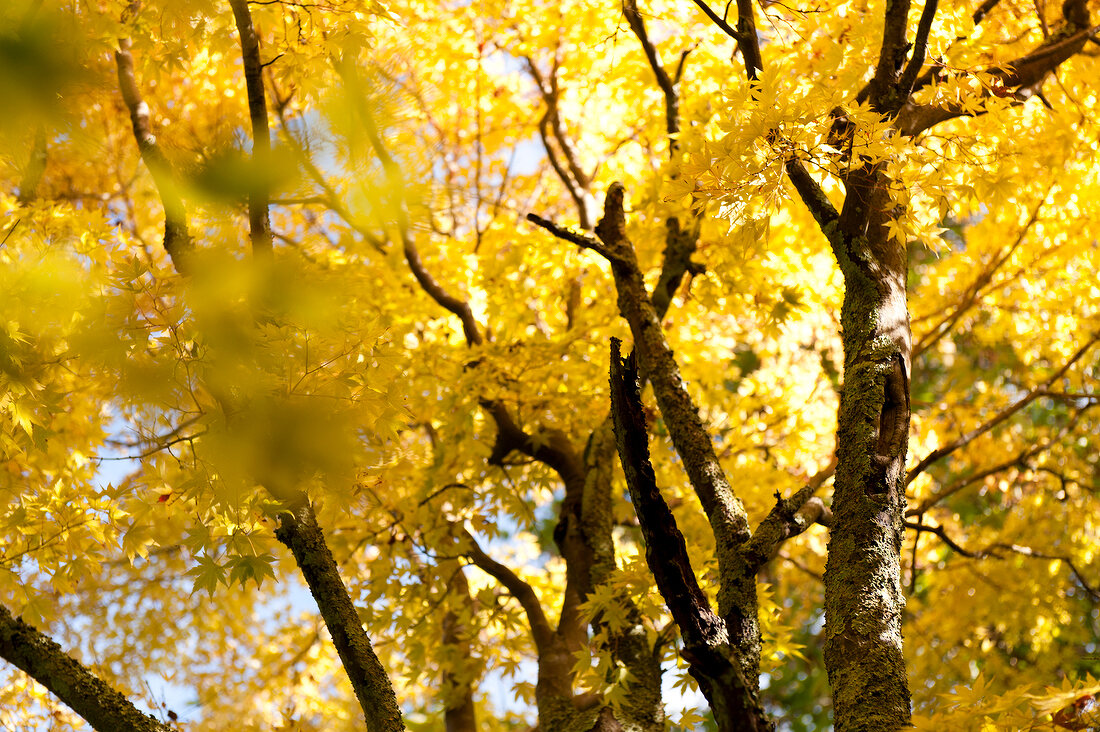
(593, 366)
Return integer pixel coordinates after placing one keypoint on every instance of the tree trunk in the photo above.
(458, 690)
(863, 596)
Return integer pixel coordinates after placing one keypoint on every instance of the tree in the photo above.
(338, 288)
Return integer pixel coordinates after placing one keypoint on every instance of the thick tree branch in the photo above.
(459, 713)
(819, 205)
(984, 10)
(299, 531)
(259, 221)
(1025, 74)
(965, 439)
(177, 239)
(706, 641)
(680, 244)
(789, 518)
(883, 91)
(104, 708)
(725, 512)
(748, 43)
(749, 40)
(920, 49)
(541, 631)
(659, 366)
(554, 449)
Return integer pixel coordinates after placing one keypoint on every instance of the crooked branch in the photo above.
(523, 592)
(789, 518)
(668, 86)
(999, 549)
(1020, 459)
(1024, 74)
(574, 179)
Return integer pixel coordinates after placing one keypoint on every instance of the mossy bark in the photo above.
(863, 596)
(299, 531)
(100, 705)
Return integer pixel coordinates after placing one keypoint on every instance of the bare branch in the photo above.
(821, 208)
(965, 439)
(658, 365)
(300, 532)
(330, 199)
(581, 239)
(553, 449)
(570, 185)
(574, 179)
(999, 549)
(395, 178)
(983, 10)
(668, 86)
(748, 43)
(448, 302)
(789, 518)
(920, 49)
(1020, 459)
(718, 21)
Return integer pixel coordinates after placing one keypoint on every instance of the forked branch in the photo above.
(706, 640)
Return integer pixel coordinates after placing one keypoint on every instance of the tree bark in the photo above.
(88, 695)
(177, 238)
(459, 714)
(707, 644)
(863, 595)
(259, 222)
(299, 531)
